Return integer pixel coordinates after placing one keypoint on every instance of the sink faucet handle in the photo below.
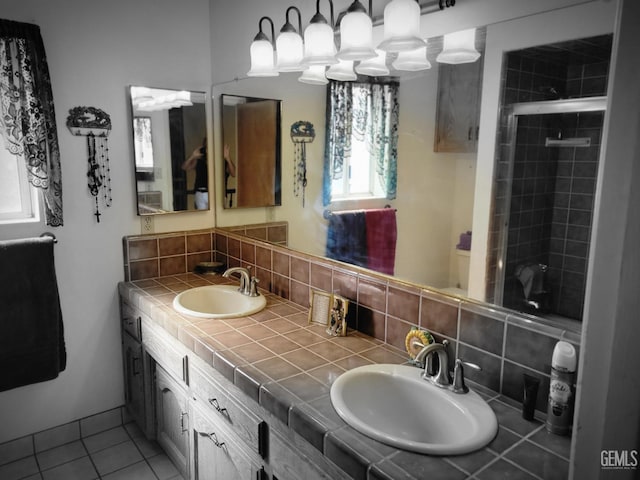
(458, 375)
(253, 287)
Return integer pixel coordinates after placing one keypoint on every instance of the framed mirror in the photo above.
(251, 141)
(169, 131)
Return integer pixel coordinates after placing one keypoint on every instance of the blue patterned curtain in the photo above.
(368, 111)
(27, 116)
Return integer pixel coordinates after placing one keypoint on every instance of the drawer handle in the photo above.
(182, 427)
(214, 403)
(214, 439)
(135, 364)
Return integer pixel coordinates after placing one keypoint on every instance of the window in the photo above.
(18, 198)
(361, 141)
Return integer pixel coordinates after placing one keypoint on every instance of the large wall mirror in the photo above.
(169, 132)
(444, 192)
(251, 151)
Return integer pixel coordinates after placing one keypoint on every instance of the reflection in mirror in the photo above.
(251, 139)
(170, 155)
(449, 159)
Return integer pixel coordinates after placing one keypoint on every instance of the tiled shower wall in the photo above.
(551, 195)
(503, 343)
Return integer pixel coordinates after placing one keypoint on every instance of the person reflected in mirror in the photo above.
(229, 171)
(198, 161)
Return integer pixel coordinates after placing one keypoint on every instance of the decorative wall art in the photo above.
(94, 124)
(302, 132)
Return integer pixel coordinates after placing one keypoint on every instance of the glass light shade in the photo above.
(262, 59)
(412, 61)
(374, 67)
(343, 71)
(401, 26)
(356, 37)
(314, 75)
(459, 47)
(319, 47)
(289, 52)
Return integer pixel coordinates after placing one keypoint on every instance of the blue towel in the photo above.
(31, 333)
(347, 238)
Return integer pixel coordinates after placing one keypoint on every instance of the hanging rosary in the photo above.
(94, 124)
(302, 132)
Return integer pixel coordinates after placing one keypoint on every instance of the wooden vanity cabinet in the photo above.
(458, 107)
(209, 428)
(218, 454)
(172, 420)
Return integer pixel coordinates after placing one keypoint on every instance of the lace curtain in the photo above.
(368, 111)
(27, 115)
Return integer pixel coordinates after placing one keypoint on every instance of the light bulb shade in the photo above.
(319, 46)
(289, 52)
(314, 75)
(459, 47)
(412, 61)
(401, 26)
(262, 59)
(356, 37)
(342, 71)
(374, 67)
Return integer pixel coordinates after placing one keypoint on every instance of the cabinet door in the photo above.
(458, 111)
(218, 454)
(134, 379)
(172, 420)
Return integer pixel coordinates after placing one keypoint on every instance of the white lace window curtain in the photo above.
(27, 114)
(368, 111)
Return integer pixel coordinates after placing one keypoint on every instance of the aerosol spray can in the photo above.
(562, 389)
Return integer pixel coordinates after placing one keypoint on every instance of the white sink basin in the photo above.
(394, 405)
(217, 301)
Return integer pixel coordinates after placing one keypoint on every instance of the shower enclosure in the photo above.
(546, 184)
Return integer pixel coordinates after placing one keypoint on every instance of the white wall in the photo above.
(95, 50)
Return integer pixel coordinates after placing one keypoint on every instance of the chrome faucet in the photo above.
(248, 284)
(441, 378)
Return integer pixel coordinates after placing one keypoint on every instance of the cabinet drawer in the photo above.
(241, 421)
(131, 321)
(164, 353)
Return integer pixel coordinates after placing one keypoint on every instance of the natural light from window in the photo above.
(18, 199)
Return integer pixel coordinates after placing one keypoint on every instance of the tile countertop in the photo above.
(288, 366)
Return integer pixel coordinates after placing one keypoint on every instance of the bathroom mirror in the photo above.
(437, 191)
(251, 151)
(169, 132)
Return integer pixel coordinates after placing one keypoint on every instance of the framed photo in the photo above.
(330, 311)
(320, 308)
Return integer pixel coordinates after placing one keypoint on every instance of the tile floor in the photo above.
(119, 453)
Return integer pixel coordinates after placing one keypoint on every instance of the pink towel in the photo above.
(381, 239)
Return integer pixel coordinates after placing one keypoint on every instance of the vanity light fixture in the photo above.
(342, 71)
(289, 45)
(412, 61)
(402, 26)
(314, 75)
(356, 33)
(319, 43)
(459, 47)
(262, 54)
(374, 67)
(402, 40)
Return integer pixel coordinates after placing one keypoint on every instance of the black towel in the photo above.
(347, 238)
(31, 332)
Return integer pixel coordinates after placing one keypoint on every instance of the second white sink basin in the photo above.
(394, 405)
(217, 301)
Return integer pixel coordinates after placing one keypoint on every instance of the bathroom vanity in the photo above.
(248, 398)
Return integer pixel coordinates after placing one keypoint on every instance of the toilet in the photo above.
(462, 259)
